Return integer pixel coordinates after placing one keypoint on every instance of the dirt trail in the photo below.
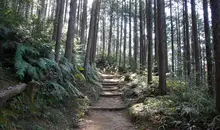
(109, 113)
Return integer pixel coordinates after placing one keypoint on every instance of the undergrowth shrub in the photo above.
(62, 86)
(184, 107)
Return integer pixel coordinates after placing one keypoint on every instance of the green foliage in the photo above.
(185, 107)
(9, 17)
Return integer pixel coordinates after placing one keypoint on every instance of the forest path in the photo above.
(109, 113)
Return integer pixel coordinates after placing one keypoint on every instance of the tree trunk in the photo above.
(83, 23)
(161, 47)
(215, 7)
(66, 7)
(149, 34)
(141, 36)
(172, 44)
(59, 31)
(92, 28)
(125, 36)
(208, 46)
(187, 40)
(56, 20)
(135, 36)
(110, 32)
(117, 42)
(130, 36)
(195, 42)
(70, 32)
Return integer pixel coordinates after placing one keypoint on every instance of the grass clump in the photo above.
(184, 107)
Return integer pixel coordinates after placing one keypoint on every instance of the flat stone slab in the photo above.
(105, 76)
(112, 84)
(110, 93)
(110, 88)
(108, 108)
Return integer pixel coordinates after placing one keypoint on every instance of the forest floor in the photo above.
(110, 112)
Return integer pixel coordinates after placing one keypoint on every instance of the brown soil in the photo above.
(103, 119)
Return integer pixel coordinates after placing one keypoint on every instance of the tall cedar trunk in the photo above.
(92, 28)
(130, 36)
(59, 31)
(184, 42)
(195, 42)
(165, 39)
(172, 40)
(149, 35)
(78, 17)
(70, 32)
(117, 42)
(110, 32)
(95, 33)
(178, 44)
(125, 36)
(208, 46)
(83, 23)
(103, 35)
(215, 7)
(141, 36)
(135, 36)
(120, 55)
(54, 36)
(188, 66)
(161, 47)
(156, 32)
(66, 7)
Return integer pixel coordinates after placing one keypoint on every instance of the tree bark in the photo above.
(161, 47)
(215, 7)
(70, 32)
(135, 36)
(208, 46)
(187, 40)
(125, 35)
(149, 34)
(172, 40)
(59, 31)
(195, 42)
(83, 23)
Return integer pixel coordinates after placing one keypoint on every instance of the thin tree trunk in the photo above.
(130, 36)
(149, 34)
(208, 46)
(135, 36)
(66, 7)
(125, 36)
(195, 42)
(187, 40)
(110, 32)
(83, 23)
(172, 44)
(117, 42)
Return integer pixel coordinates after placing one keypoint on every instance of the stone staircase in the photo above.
(110, 96)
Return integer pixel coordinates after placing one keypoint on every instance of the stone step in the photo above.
(110, 81)
(105, 76)
(110, 88)
(110, 93)
(111, 84)
(108, 108)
